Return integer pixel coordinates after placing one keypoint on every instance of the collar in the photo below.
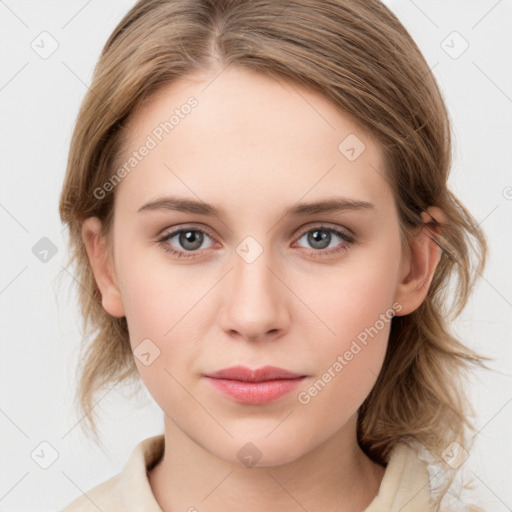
(404, 487)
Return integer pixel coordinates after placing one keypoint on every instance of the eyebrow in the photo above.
(192, 206)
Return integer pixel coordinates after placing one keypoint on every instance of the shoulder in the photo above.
(419, 480)
(105, 496)
(405, 485)
(452, 483)
(129, 490)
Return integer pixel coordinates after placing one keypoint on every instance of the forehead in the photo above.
(238, 136)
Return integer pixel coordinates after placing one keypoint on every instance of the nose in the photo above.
(255, 304)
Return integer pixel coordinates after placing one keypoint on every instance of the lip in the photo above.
(255, 387)
(242, 373)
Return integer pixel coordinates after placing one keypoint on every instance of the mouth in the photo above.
(254, 387)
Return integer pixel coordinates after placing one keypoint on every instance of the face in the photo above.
(256, 283)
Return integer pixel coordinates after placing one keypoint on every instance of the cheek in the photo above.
(348, 376)
(349, 355)
(355, 308)
(155, 294)
(351, 298)
(157, 324)
(163, 306)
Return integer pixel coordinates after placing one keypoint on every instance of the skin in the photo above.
(255, 146)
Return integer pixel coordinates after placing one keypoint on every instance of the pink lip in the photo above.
(256, 387)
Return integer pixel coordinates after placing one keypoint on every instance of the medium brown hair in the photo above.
(362, 59)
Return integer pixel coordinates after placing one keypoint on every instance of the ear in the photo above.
(102, 266)
(417, 271)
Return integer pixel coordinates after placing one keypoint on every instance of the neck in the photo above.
(335, 475)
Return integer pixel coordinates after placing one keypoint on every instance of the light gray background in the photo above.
(40, 98)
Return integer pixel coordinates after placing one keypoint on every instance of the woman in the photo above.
(257, 195)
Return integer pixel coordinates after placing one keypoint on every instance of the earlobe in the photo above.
(102, 266)
(417, 271)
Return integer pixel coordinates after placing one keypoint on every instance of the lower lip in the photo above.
(255, 393)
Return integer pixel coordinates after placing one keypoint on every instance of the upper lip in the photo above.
(245, 374)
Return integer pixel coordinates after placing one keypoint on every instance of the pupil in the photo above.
(188, 237)
(320, 236)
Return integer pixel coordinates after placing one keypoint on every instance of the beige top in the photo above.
(404, 487)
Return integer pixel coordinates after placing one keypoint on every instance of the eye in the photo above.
(321, 238)
(189, 238)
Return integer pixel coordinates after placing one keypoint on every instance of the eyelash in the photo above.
(347, 241)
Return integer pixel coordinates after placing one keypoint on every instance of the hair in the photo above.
(361, 58)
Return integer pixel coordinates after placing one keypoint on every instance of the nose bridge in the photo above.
(256, 302)
(253, 275)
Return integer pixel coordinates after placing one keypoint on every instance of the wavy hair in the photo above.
(361, 58)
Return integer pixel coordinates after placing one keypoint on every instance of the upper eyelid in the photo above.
(324, 225)
(175, 231)
(296, 232)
